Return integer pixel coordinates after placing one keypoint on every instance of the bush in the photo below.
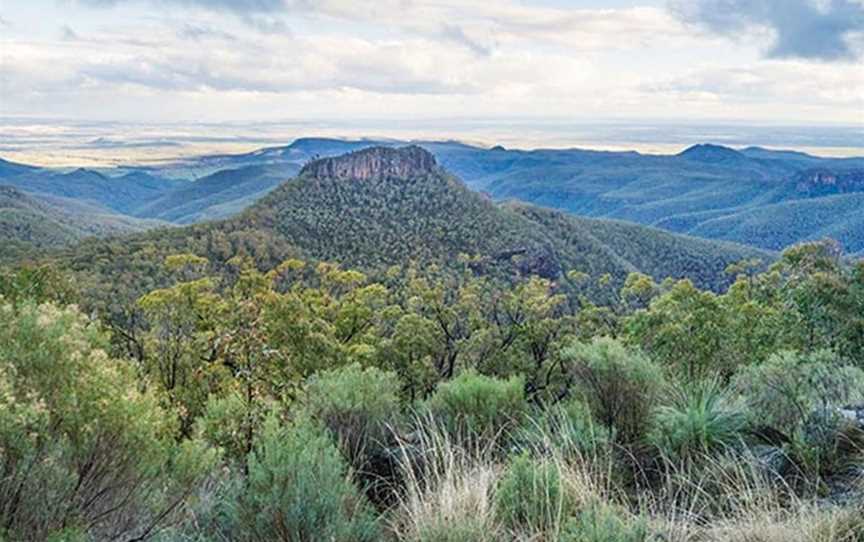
(298, 489)
(358, 406)
(478, 406)
(568, 429)
(797, 396)
(604, 523)
(620, 386)
(230, 422)
(464, 530)
(82, 449)
(700, 420)
(530, 495)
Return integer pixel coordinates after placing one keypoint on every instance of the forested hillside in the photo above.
(314, 400)
(219, 195)
(31, 223)
(416, 215)
(764, 198)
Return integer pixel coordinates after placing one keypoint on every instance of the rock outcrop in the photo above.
(822, 182)
(374, 163)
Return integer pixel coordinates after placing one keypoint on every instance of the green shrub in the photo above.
(797, 396)
(456, 531)
(700, 420)
(530, 495)
(604, 523)
(298, 489)
(230, 422)
(619, 385)
(568, 429)
(358, 406)
(82, 448)
(479, 406)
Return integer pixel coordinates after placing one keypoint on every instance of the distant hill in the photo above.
(707, 190)
(29, 221)
(379, 207)
(681, 193)
(220, 195)
(122, 194)
(12, 169)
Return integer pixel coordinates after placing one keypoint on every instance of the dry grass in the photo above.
(449, 497)
(448, 489)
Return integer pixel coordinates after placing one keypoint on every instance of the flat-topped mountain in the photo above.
(708, 190)
(379, 207)
(376, 162)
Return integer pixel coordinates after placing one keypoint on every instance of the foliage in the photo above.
(37, 283)
(359, 406)
(81, 446)
(568, 428)
(604, 523)
(620, 386)
(797, 396)
(531, 496)
(299, 490)
(478, 406)
(701, 419)
(683, 329)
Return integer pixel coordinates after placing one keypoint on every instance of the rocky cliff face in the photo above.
(373, 163)
(818, 182)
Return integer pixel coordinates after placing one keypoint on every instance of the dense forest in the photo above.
(438, 369)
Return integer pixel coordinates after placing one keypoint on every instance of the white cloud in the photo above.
(406, 58)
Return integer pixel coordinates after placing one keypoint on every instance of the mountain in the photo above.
(12, 169)
(818, 182)
(121, 194)
(683, 193)
(713, 154)
(782, 224)
(707, 190)
(222, 194)
(29, 221)
(383, 206)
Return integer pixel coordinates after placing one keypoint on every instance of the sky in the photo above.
(756, 61)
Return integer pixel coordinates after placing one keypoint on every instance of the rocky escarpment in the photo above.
(374, 163)
(818, 182)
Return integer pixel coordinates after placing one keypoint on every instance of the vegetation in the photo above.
(238, 398)
(29, 222)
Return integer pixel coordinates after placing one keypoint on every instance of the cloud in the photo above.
(67, 33)
(457, 35)
(807, 29)
(769, 82)
(238, 6)
(200, 32)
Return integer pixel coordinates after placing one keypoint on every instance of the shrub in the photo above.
(230, 422)
(82, 448)
(700, 420)
(604, 523)
(530, 495)
(619, 385)
(298, 489)
(568, 429)
(479, 406)
(357, 405)
(464, 530)
(796, 395)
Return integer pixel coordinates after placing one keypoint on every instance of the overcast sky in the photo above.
(771, 61)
